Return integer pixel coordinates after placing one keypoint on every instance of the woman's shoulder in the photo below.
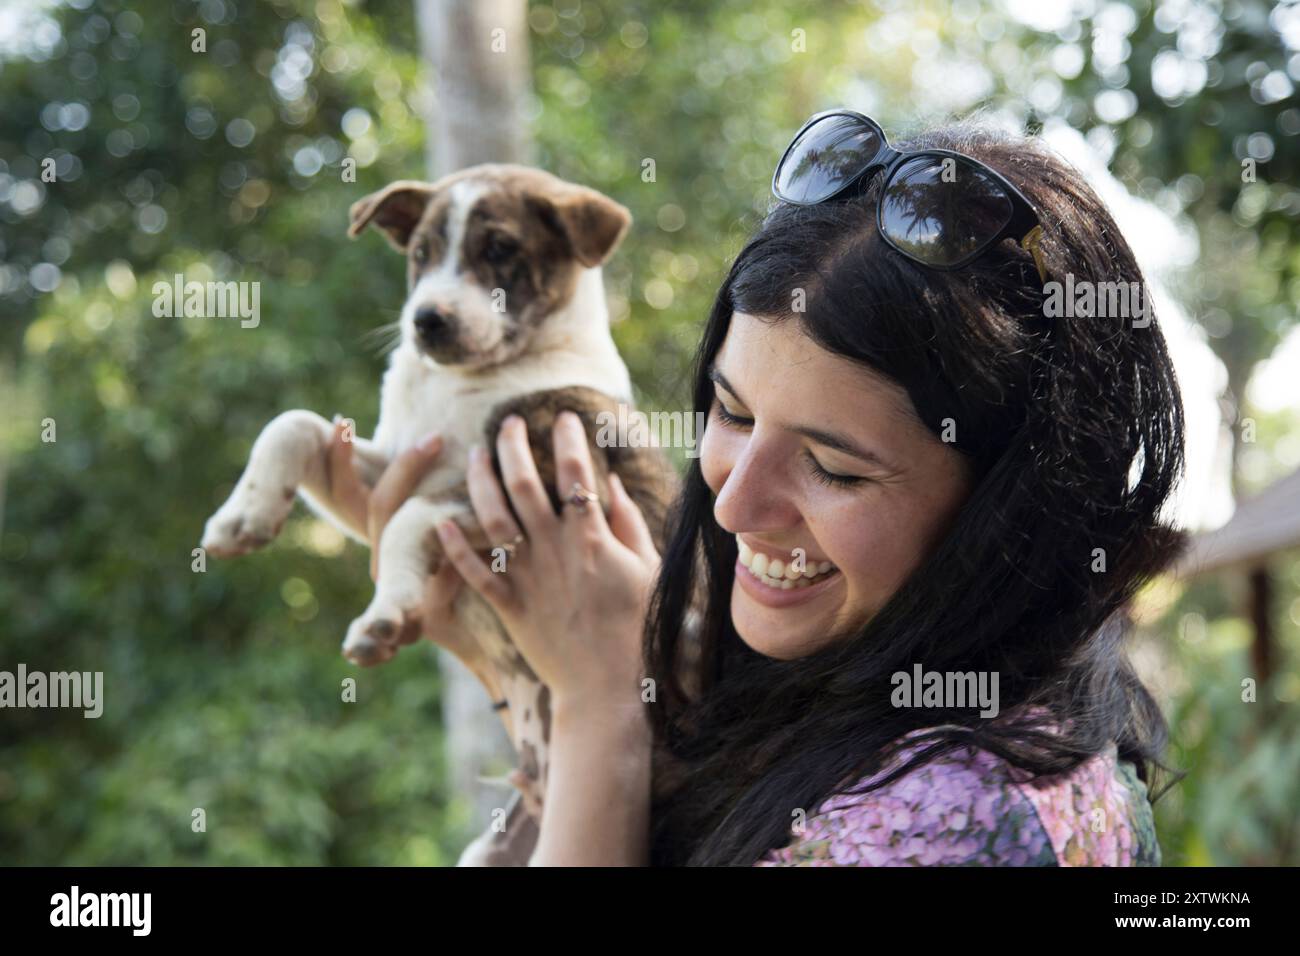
(970, 807)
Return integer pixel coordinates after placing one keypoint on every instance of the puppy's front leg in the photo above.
(409, 551)
(288, 456)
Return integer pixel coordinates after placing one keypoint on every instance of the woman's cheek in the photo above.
(877, 552)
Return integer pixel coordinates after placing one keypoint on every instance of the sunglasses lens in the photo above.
(942, 209)
(825, 157)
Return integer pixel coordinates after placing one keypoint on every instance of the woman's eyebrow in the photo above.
(720, 379)
(820, 436)
(843, 444)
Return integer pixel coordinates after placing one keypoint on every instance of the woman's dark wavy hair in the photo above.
(1074, 431)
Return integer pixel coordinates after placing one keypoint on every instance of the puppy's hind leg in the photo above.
(409, 551)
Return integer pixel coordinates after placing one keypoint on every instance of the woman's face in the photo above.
(816, 461)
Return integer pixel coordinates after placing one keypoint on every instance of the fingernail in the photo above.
(511, 420)
(475, 452)
(430, 441)
(444, 528)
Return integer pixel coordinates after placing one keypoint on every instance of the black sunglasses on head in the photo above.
(937, 207)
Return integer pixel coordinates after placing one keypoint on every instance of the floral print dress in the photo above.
(972, 808)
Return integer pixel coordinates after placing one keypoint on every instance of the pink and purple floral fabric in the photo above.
(972, 808)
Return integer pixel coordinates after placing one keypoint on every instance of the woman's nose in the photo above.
(755, 496)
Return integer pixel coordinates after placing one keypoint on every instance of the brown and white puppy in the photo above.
(505, 313)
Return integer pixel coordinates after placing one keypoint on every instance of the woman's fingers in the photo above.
(573, 466)
(443, 586)
(439, 624)
(346, 489)
(627, 522)
(395, 485)
(472, 569)
(488, 500)
(401, 477)
(522, 483)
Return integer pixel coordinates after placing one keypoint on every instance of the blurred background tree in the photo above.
(476, 114)
(224, 687)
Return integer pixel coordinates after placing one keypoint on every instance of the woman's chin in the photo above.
(783, 633)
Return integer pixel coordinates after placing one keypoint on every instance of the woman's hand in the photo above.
(372, 508)
(575, 592)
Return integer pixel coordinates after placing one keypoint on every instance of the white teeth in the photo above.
(777, 573)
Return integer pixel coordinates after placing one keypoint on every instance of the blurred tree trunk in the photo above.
(476, 52)
(1241, 362)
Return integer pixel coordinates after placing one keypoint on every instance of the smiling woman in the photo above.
(916, 471)
(831, 464)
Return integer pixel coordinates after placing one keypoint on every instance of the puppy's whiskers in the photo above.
(384, 338)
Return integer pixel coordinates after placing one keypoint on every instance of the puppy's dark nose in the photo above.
(435, 327)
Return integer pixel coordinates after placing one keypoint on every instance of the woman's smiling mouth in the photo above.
(779, 582)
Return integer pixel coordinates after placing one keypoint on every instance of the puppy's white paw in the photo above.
(376, 635)
(249, 519)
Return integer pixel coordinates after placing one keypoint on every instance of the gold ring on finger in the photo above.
(511, 546)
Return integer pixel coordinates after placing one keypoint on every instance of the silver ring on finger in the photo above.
(580, 497)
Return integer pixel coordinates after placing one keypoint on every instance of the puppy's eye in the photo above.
(498, 249)
(421, 254)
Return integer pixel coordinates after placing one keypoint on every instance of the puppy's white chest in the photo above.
(417, 400)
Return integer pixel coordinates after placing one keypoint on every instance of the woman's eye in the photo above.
(727, 418)
(821, 474)
(832, 478)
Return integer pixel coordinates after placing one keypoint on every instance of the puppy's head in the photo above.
(493, 253)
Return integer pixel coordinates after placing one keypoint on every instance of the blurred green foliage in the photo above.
(224, 688)
(1237, 806)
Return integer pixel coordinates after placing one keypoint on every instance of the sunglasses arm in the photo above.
(1030, 243)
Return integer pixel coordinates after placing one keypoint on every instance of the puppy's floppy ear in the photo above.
(592, 222)
(394, 210)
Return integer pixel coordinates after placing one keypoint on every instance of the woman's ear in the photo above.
(394, 210)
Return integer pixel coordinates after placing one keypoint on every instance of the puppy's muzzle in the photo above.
(437, 329)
